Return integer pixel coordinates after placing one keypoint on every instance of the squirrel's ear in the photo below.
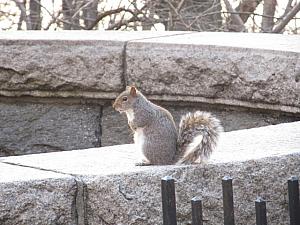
(133, 91)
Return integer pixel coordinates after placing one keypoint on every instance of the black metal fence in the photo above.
(169, 203)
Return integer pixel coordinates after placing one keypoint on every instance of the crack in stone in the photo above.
(10, 71)
(124, 65)
(125, 195)
(80, 204)
(125, 78)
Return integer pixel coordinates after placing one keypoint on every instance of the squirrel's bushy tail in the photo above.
(197, 137)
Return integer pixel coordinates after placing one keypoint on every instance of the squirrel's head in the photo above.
(126, 99)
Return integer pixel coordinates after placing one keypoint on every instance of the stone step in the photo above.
(102, 185)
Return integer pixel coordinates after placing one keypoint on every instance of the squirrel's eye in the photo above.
(124, 98)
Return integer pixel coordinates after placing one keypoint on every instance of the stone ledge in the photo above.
(234, 146)
(260, 160)
(248, 70)
(64, 64)
(228, 68)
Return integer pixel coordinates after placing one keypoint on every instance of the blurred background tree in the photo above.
(271, 16)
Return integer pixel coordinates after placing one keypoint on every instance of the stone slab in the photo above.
(234, 146)
(260, 160)
(136, 198)
(253, 70)
(64, 63)
(32, 196)
(115, 130)
(28, 128)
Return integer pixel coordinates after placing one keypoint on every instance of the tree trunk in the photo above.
(90, 12)
(35, 14)
(70, 14)
(267, 22)
(21, 4)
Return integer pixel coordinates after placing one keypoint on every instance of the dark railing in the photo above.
(169, 203)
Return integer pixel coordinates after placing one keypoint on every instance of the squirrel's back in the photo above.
(197, 137)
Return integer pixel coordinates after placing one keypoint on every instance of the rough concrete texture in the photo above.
(28, 128)
(31, 196)
(70, 63)
(232, 68)
(60, 66)
(115, 129)
(260, 160)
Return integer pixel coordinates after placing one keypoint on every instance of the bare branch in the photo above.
(113, 17)
(76, 13)
(134, 18)
(53, 20)
(287, 8)
(171, 16)
(247, 6)
(57, 19)
(121, 23)
(237, 22)
(180, 5)
(251, 14)
(105, 14)
(207, 12)
(280, 26)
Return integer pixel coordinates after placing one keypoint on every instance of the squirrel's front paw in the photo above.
(143, 163)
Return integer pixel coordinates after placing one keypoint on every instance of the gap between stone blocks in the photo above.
(124, 53)
(79, 204)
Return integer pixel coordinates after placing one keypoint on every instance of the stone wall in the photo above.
(102, 186)
(56, 88)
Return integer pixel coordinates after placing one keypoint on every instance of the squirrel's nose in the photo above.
(113, 104)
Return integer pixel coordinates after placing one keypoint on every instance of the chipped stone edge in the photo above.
(80, 199)
(107, 96)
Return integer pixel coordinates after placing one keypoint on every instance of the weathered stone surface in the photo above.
(236, 69)
(36, 127)
(64, 63)
(135, 198)
(116, 131)
(29, 65)
(32, 196)
(260, 160)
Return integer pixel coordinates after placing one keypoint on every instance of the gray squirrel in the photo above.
(156, 135)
